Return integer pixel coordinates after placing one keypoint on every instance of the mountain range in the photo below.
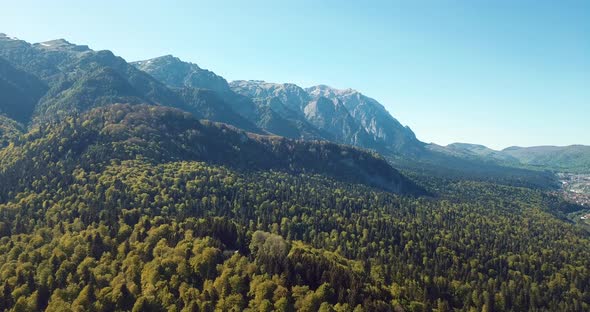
(48, 81)
(52, 81)
(573, 158)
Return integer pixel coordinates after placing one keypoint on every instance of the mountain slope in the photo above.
(202, 90)
(80, 79)
(292, 97)
(121, 214)
(329, 117)
(19, 92)
(208, 104)
(332, 117)
(179, 74)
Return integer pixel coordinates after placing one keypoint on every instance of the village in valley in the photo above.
(576, 188)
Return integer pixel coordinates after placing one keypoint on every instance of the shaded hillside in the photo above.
(19, 92)
(208, 104)
(163, 134)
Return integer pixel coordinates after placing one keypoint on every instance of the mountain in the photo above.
(324, 113)
(71, 79)
(176, 73)
(352, 118)
(349, 117)
(372, 116)
(341, 116)
(330, 117)
(281, 104)
(291, 97)
(79, 79)
(573, 158)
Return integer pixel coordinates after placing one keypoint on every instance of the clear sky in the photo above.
(498, 73)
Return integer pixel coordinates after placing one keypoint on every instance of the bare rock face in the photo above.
(371, 115)
(175, 73)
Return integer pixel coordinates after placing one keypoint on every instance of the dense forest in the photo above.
(95, 216)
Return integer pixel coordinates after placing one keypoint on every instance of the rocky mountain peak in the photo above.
(4, 36)
(176, 73)
(164, 60)
(61, 44)
(327, 91)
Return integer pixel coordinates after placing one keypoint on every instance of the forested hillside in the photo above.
(145, 208)
(181, 235)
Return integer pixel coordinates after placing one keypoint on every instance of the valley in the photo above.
(576, 187)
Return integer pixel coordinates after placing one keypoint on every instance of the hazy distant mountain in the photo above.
(573, 158)
(473, 151)
(561, 158)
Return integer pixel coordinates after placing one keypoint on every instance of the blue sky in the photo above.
(498, 73)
